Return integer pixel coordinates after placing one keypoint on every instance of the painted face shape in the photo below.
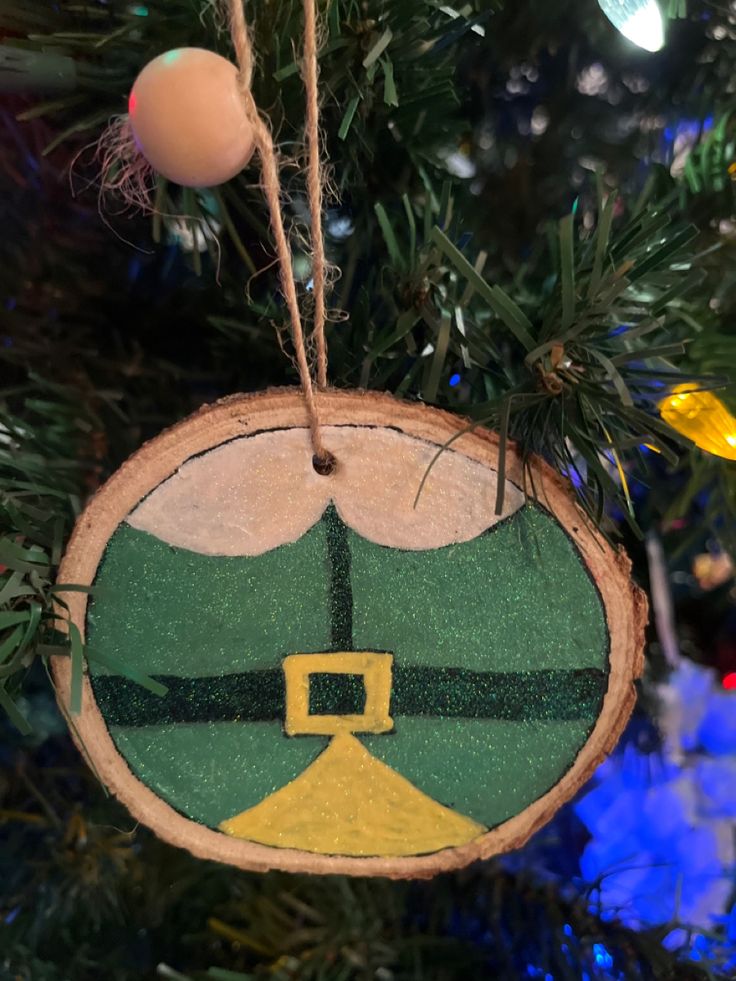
(366, 679)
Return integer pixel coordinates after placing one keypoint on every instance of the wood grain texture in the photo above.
(243, 415)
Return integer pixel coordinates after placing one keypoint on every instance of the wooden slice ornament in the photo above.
(357, 681)
(353, 677)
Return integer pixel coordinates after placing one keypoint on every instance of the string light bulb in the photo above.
(703, 418)
(640, 21)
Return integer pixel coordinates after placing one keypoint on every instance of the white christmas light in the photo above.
(638, 20)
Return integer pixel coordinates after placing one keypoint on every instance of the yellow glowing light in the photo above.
(703, 418)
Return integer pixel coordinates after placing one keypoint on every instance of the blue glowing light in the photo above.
(454, 380)
(575, 478)
(731, 925)
(567, 930)
(686, 130)
(340, 226)
(134, 269)
(602, 956)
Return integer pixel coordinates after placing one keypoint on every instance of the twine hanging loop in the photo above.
(324, 461)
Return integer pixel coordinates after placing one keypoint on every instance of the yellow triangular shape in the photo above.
(349, 803)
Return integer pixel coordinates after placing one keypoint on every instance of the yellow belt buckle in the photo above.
(376, 671)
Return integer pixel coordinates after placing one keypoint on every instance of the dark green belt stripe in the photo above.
(257, 696)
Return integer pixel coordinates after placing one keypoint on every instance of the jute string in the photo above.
(324, 462)
(315, 181)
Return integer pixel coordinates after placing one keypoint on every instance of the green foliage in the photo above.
(565, 308)
(711, 481)
(707, 168)
(41, 471)
(102, 899)
(567, 352)
(387, 74)
(574, 369)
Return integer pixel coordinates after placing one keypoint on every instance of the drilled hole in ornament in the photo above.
(324, 465)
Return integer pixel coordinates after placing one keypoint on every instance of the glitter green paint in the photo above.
(167, 610)
(213, 770)
(515, 599)
(487, 769)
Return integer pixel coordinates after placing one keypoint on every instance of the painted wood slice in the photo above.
(356, 681)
